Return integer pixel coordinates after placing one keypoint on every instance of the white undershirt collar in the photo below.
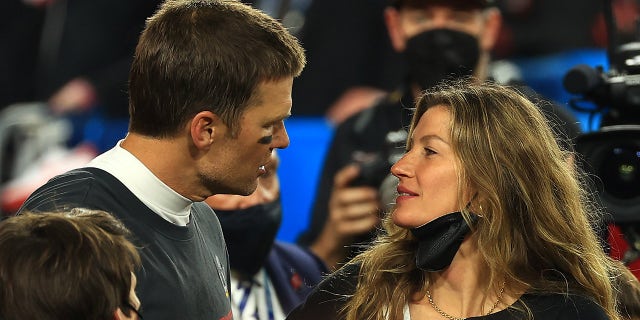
(156, 195)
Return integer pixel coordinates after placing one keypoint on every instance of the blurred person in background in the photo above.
(80, 52)
(268, 277)
(350, 58)
(64, 67)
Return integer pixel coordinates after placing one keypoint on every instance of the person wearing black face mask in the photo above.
(439, 39)
(439, 54)
(268, 277)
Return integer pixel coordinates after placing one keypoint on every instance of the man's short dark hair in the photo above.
(197, 55)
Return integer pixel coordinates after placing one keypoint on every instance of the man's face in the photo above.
(235, 163)
(407, 22)
(440, 40)
(268, 190)
(416, 20)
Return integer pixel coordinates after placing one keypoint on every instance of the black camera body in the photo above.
(612, 154)
(615, 93)
(372, 171)
(376, 166)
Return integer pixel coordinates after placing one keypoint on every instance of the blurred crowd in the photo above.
(65, 68)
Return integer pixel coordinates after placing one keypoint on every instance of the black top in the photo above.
(331, 294)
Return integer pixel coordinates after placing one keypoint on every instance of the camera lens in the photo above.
(620, 172)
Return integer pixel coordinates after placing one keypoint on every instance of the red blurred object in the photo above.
(620, 246)
(296, 281)
(54, 162)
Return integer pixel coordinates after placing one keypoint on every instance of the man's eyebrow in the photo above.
(279, 118)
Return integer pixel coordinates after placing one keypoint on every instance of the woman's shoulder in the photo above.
(566, 306)
(547, 306)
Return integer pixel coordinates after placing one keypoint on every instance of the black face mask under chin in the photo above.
(440, 239)
(249, 234)
(439, 54)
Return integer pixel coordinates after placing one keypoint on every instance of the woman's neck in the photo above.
(461, 289)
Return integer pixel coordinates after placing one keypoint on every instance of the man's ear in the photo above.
(394, 28)
(493, 23)
(204, 127)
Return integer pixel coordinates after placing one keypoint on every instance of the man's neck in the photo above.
(168, 159)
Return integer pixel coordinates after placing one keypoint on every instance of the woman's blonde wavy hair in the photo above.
(537, 218)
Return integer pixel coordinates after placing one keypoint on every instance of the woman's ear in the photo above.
(204, 127)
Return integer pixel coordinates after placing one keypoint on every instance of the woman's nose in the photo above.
(401, 168)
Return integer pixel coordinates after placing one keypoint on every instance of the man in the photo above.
(268, 277)
(438, 39)
(210, 87)
(67, 265)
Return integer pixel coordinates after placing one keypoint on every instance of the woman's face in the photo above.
(428, 180)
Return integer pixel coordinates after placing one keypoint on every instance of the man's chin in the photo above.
(249, 189)
(237, 189)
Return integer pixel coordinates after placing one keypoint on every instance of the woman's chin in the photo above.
(405, 222)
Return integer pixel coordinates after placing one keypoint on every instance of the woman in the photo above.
(490, 222)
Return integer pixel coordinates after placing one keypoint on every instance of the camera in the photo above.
(616, 93)
(376, 166)
(373, 170)
(612, 153)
